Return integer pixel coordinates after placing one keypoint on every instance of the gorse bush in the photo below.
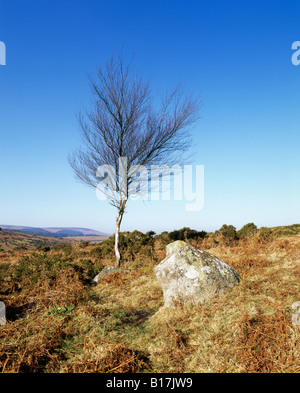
(87, 269)
(96, 252)
(131, 245)
(186, 234)
(83, 244)
(288, 230)
(20, 248)
(265, 234)
(137, 246)
(228, 232)
(40, 247)
(36, 266)
(64, 247)
(4, 269)
(247, 231)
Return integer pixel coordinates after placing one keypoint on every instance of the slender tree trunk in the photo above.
(117, 236)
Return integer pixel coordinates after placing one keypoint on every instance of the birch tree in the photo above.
(127, 127)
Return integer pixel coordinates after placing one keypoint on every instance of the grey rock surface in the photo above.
(188, 275)
(108, 270)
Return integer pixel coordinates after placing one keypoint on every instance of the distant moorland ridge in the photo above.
(54, 232)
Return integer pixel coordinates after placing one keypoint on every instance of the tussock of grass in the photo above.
(58, 322)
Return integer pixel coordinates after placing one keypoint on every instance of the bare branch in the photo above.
(124, 122)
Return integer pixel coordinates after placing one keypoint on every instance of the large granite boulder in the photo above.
(188, 275)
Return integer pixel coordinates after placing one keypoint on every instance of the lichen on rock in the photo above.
(188, 275)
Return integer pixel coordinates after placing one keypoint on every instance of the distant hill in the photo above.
(54, 232)
(12, 240)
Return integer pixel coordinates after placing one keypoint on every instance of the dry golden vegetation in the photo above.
(57, 321)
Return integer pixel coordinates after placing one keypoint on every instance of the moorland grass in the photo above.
(58, 321)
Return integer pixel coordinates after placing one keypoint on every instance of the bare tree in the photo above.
(125, 129)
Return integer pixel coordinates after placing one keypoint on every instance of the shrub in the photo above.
(228, 232)
(20, 248)
(95, 252)
(45, 248)
(265, 234)
(106, 250)
(83, 244)
(64, 247)
(87, 269)
(101, 251)
(4, 269)
(186, 233)
(247, 231)
(35, 266)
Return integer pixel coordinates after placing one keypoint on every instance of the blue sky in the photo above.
(236, 55)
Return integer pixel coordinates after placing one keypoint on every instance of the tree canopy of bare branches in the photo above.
(127, 127)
